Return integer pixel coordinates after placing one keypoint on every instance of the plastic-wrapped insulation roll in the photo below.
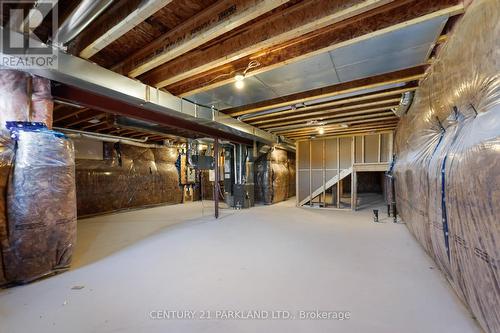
(272, 174)
(448, 155)
(41, 206)
(6, 156)
(129, 177)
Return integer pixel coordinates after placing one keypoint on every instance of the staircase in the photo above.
(334, 180)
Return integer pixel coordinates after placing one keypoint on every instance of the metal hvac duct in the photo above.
(404, 104)
(80, 18)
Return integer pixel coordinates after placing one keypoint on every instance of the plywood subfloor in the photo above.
(267, 258)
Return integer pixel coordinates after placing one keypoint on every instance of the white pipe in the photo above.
(108, 138)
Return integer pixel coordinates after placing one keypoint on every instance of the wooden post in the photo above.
(216, 182)
(354, 189)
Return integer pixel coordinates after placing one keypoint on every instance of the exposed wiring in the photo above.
(252, 64)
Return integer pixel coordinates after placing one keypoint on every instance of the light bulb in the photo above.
(321, 131)
(239, 84)
(239, 77)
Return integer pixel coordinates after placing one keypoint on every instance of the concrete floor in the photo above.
(266, 258)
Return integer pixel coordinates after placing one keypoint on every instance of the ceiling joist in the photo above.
(208, 68)
(366, 125)
(367, 130)
(220, 18)
(358, 98)
(401, 76)
(285, 25)
(381, 116)
(305, 114)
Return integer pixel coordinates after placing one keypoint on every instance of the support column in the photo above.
(216, 181)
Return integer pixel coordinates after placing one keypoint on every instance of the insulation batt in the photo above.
(272, 177)
(24, 98)
(14, 97)
(129, 177)
(41, 101)
(448, 156)
(41, 206)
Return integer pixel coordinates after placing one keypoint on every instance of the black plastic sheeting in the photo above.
(448, 157)
(273, 174)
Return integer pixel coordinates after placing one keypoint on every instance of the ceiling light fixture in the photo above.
(321, 131)
(239, 77)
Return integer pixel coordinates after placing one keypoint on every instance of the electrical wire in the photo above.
(252, 64)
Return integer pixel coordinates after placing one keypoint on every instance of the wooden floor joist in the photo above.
(358, 98)
(382, 116)
(105, 23)
(360, 125)
(370, 130)
(401, 76)
(220, 18)
(345, 116)
(306, 114)
(285, 25)
(208, 68)
(366, 125)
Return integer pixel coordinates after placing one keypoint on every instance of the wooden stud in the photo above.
(379, 147)
(363, 149)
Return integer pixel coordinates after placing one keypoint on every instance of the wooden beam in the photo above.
(380, 127)
(76, 114)
(71, 114)
(341, 117)
(283, 26)
(359, 120)
(370, 126)
(346, 134)
(115, 23)
(208, 68)
(305, 113)
(98, 116)
(357, 98)
(405, 75)
(220, 18)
